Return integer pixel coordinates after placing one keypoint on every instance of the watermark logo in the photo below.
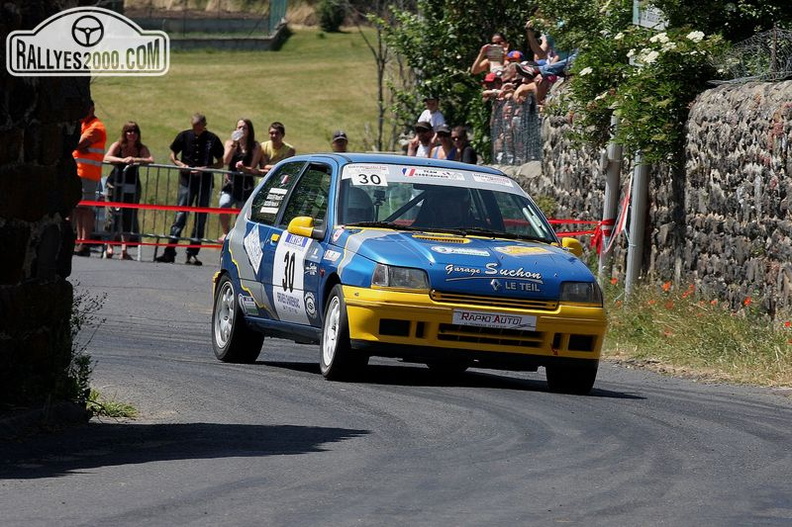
(87, 41)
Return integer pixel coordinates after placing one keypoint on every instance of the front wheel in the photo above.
(232, 339)
(336, 358)
(575, 380)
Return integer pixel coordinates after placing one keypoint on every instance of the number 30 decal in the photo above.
(288, 271)
(376, 180)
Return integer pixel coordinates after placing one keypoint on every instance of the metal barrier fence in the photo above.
(515, 131)
(143, 208)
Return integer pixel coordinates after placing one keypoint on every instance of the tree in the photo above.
(439, 40)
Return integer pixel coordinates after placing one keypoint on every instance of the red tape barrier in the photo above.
(175, 208)
(596, 241)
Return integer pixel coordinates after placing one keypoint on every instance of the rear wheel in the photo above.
(232, 339)
(336, 358)
(575, 380)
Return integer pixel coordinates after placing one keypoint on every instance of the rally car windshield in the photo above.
(438, 207)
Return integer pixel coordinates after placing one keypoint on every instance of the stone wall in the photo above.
(38, 189)
(722, 226)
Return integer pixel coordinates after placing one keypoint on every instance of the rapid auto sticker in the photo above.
(252, 244)
(484, 319)
(494, 180)
(288, 277)
(521, 250)
(442, 249)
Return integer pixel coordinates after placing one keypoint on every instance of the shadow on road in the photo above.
(397, 374)
(110, 444)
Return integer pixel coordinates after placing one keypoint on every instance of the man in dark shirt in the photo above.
(199, 148)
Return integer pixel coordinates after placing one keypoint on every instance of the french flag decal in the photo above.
(409, 172)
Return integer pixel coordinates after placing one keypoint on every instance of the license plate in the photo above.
(486, 319)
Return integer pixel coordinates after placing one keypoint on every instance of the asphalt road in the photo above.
(275, 444)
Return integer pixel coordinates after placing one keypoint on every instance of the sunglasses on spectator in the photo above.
(443, 134)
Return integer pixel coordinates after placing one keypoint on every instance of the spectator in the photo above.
(540, 44)
(275, 149)
(492, 84)
(445, 148)
(432, 113)
(491, 56)
(199, 148)
(339, 142)
(465, 152)
(88, 155)
(421, 144)
(242, 156)
(123, 184)
(514, 56)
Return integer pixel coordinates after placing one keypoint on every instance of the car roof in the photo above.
(372, 157)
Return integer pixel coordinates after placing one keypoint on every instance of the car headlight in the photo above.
(399, 277)
(581, 293)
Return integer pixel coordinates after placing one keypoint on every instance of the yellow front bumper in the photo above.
(415, 319)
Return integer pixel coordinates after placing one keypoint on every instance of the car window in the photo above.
(310, 197)
(269, 199)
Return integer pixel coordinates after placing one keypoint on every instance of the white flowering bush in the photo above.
(647, 79)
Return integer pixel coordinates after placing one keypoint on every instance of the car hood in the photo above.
(474, 265)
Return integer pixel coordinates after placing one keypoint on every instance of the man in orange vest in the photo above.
(88, 155)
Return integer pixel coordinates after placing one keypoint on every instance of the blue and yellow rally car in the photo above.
(436, 262)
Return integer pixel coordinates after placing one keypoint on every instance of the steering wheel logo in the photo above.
(87, 31)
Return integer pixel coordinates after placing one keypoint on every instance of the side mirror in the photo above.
(304, 226)
(572, 245)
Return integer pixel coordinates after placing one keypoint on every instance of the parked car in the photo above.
(436, 262)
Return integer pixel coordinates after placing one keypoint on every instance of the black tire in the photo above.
(574, 380)
(232, 339)
(337, 360)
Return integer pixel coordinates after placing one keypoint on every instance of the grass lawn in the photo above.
(315, 84)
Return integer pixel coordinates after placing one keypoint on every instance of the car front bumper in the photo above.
(406, 324)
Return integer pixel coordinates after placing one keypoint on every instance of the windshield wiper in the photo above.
(381, 224)
(479, 231)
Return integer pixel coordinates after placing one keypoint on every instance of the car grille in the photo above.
(493, 301)
(496, 336)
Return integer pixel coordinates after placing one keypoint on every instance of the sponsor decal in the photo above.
(248, 305)
(512, 273)
(252, 245)
(492, 269)
(493, 180)
(87, 41)
(442, 249)
(273, 200)
(310, 269)
(523, 287)
(470, 271)
(520, 250)
(337, 234)
(484, 319)
(295, 240)
(332, 256)
(430, 173)
(310, 304)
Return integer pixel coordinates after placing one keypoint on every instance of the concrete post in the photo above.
(612, 169)
(640, 198)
